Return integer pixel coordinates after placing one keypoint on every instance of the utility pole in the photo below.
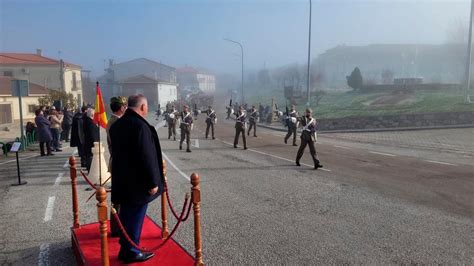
(242, 53)
(309, 58)
(469, 51)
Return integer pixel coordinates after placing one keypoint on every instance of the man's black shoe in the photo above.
(255, 135)
(50, 154)
(180, 147)
(139, 257)
(245, 148)
(286, 142)
(235, 147)
(213, 138)
(174, 138)
(43, 154)
(188, 150)
(298, 163)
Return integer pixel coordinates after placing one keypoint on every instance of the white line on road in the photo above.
(438, 162)
(175, 167)
(48, 214)
(381, 153)
(27, 157)
(196, 143)
(58, 179)
(43, 257)
(278, 157)
(342, 147)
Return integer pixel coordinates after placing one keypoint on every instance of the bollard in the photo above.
(196, 198)
(101, 196)
(75, 205)
(164, 210)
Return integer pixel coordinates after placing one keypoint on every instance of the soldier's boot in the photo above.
(317, 164)
(298, 163)
(188, 150)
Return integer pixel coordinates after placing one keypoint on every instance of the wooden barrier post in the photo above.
(196, 198)
(75, 205)
(164, 208)
(101, 196)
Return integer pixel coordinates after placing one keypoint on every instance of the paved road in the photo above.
(370, 204)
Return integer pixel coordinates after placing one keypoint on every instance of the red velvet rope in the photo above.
(130, 241)
(171, 205)
(90, 183)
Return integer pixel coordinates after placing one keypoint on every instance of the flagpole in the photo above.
(98, 127)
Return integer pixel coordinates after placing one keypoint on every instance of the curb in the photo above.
(283, 129)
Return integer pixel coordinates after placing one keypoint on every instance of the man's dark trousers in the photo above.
(131, 216)
(210, 125)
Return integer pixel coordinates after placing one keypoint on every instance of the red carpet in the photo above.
(86, 245)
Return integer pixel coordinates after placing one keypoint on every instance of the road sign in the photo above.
(15, 147)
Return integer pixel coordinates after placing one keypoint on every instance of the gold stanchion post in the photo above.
(101, 196)
(196, 198)
(75, 205)
(164, 208)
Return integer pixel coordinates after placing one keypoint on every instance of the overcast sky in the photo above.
(191, 32)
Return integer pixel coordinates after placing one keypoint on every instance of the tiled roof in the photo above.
(6, 87)
(28, 59)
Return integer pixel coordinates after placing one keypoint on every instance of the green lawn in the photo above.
(335, 105)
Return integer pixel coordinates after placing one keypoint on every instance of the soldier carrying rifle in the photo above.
(240, 125)
(211, 120)
(186, 126)
(292, 124)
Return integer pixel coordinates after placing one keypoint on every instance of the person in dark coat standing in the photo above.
(66, 124)
(137, 172)
(43, 132)
(186, 126)
(77, 134)
(91, 135)
(253, 117)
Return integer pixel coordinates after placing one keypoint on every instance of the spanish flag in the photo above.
(100, 117)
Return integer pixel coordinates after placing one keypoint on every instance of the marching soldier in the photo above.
(292, 123)
(308, 137)
(211, 119)
(240, 122)
(186, 127)
(253, 117)
(171, 119)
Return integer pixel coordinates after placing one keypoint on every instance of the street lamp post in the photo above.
(309, 57)
(469, 50)
(242, 53)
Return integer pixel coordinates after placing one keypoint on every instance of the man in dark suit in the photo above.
(91, 135)
(137, 172)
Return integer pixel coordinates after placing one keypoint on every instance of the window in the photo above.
(74, 80)
(8, 73)
(32, 108)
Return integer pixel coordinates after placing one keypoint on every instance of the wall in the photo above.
(397, 121)
(166, 93)
(149, 90)
(28, 100)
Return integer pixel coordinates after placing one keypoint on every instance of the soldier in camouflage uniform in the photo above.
(186, 127)
(240, 125)
(292, 124)
(308, 137)
(253, 117)
(172, 117)
(211, 120)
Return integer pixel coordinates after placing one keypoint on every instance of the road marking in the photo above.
(43, 259)
(278, 157)
(66, 164)
(27, 157)
(48, 214)
(175, 167)
(342, 147)
(196, 143)
(438, 162)
(381, 153)
(58, 179)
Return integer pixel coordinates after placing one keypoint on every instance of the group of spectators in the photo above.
(53, 127)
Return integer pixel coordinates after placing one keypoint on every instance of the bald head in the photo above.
(139, 104)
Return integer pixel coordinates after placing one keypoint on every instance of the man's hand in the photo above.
(153, 191)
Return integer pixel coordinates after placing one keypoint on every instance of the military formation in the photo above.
(246, 121)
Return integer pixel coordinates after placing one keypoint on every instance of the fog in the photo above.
(177, 33)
